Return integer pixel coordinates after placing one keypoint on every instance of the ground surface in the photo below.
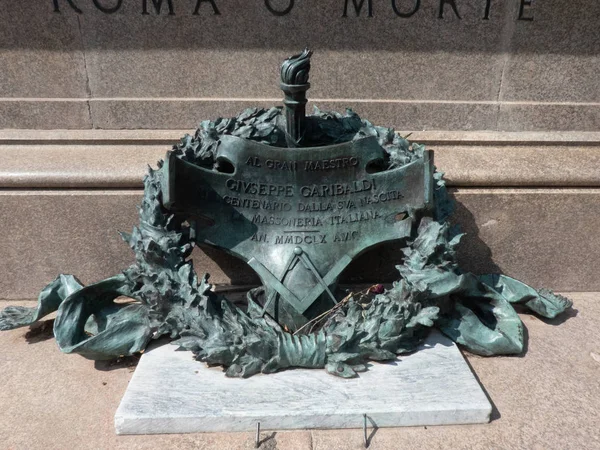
(547, 399)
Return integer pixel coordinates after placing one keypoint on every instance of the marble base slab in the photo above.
(171, 393)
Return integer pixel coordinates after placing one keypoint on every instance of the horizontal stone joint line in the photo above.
(78, 190)
(311, 100)
(171, 141)
(513, 186)
(520, 190)
(483, 138)
(91, 142)
(477, 143)
(101, 190)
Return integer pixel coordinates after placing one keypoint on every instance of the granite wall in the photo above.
(519, 65)
(508, 93)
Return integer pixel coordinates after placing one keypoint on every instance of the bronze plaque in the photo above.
(298, 216)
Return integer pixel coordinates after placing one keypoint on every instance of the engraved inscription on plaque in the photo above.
(298, 217)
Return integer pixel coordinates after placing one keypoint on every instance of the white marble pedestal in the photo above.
(172, 393)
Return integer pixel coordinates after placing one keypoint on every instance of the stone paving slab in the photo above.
(547, 399)
(170, 392)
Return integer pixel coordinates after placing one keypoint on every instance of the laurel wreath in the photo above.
(375, 324)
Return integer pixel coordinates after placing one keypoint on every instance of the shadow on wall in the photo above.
(378, 265)
(473, 253)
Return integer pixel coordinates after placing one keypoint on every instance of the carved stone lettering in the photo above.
(157, 6)
(410, 13)
(280, 12)
(216, 11)
(400, 8)
(108, 9)
(488, 5)
(452, 4)
(358, 5)
(522, 11)
(71, 4)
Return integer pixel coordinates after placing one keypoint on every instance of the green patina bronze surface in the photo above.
(297, 197)
(299, 217)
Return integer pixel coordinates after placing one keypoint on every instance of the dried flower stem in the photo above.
(334, 309)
